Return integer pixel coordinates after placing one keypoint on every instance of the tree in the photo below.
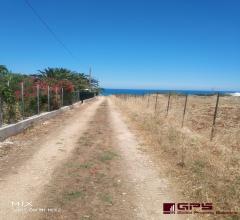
(3, 69)
(56, 73)
(79, 80)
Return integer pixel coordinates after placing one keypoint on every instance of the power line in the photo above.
(45, 24)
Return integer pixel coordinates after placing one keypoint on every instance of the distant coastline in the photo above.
(107, 91)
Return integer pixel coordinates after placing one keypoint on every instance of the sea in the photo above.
(107, 92)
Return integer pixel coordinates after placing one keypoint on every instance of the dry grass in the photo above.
(205, 170)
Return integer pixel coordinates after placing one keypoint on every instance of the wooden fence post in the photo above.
(38, 104)
(168, 104)
(185, 107)
(156, 102)
(1, 112)
(148, 100)
(214, 117)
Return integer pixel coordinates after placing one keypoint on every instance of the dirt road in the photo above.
(84, 164)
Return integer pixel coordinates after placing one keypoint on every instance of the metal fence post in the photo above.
(48, 91)
(214, 117)
(38, 104)
(185, 107)
(22, 98)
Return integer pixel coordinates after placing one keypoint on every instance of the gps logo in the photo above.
(171, 208)
(168, 208)
(191, 206)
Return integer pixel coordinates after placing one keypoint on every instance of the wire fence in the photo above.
(26, 104)
(205, 114)
(196, 137)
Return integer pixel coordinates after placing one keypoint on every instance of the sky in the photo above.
(139, 44)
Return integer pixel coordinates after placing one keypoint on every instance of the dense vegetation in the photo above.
(16, 103)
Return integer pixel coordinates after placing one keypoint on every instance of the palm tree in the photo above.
(56, 73)
(3, 69)
(80, 80)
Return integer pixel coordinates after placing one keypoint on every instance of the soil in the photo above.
(83, 164)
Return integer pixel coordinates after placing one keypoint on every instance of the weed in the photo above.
(73, 195)
(107, 155)
(106, 198)
(85, 165)
(198, 167)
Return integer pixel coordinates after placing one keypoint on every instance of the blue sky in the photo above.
(170, 44)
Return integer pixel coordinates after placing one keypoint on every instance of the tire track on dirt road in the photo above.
(108, 177)
(92, 169)
(29, 179)
(151, 189)
(92, 183)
